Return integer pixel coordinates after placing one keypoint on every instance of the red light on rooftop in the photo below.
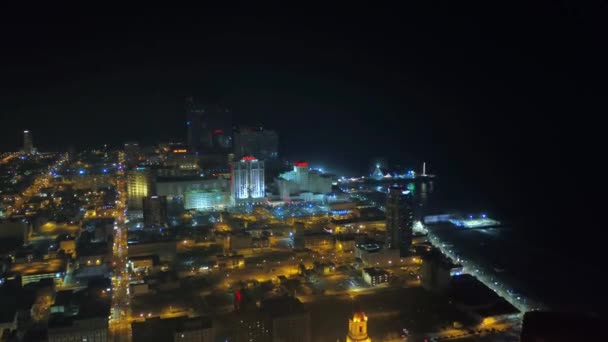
(249, 158)
(218, 131)
(301, 164)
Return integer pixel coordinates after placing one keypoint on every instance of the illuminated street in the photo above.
(120, 321)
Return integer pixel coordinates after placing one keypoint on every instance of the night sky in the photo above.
(500, 100)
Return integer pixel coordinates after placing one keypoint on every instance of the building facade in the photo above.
(399, 220)
(206, 200)
(173, 187)
(140, 184)
(155, 211)
(28, 142)
(375, 276)
(247, 180)
(90, 330)
(132, 153)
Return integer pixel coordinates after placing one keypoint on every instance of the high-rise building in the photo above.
(290, 321)
(28, 143)
(357, 328)
(247, 180)
(78, 329)
(399, 220)
(140, 184)
(155, 211)
(257, 141)
(209, 128)
(435, 272)
(132, 153)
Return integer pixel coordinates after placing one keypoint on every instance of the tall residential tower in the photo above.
(28, 144)
(399, 219)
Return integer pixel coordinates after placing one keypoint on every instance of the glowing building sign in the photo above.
(301, 164)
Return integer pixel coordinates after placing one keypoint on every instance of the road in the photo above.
(119, 325)
(488, 278)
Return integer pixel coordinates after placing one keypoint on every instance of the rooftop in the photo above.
(39, 267)
(370, 247)
(282, 306)
(162, 329)
(375, 271)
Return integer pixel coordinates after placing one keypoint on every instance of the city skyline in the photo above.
(259, 173)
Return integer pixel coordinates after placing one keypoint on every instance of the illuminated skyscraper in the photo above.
(140, 184)
(247, 179)
(399, 220)
(28, 144)
(357, 328)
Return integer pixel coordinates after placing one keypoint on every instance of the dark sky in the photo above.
(501, 98)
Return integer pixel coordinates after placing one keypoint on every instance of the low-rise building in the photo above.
(375, 255)
(165, 250)
(94, 254)
(318, 241)
(144, 263)
(357, 225)
(69, 329)
(324, 267)
(240, 240)
(231, 261)
(67, 246)
(139, 289)
(375, 276)
(91, 321)
(345, 243)
(35, 271)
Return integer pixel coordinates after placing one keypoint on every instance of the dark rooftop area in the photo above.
(158, 329)
(281, 306)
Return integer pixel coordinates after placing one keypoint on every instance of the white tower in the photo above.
(247, 181)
